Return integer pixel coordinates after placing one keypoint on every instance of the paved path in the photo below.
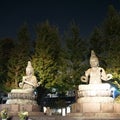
(45, 117)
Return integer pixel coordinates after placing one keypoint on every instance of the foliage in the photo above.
(6, 46)
(105, 41)
(116, 83)
(75, 55)
(45, 59)
(4, 114)
(19, 57)
(117, 99)
(23, 115)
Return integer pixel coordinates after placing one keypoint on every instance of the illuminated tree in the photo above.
(76, 52)
(45, 59)
(20, 54)
(106, 39)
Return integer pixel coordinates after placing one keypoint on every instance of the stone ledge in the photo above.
(94, 93)
(21, 96)
(21, 107)
(95, 100)
(96, 108)
(21, 101)
(104, 86)
(95, 116)
(29, 113)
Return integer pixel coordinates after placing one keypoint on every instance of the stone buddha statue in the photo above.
(95, 90)
(29, 81)
(95, 74)
(25, 94)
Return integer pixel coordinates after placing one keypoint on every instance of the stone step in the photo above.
(44, 117)
(29, 113)
(95, 116)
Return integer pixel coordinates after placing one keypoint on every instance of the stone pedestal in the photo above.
(94, 90)
(95, 93)
(95, 102)
(22, 100)
(21, 96)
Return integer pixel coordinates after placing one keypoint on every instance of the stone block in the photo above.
(79, 107)
(14, 108)
(117, 107)
(5, 106)
(76, 107)
(91, 107)
(107, 107)
(28, 108)
(73, 109)
(22, 107)
(35, 108)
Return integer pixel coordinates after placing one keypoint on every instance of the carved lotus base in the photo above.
(29, 96)
(94, 90)
(21, 97)
(95, 100)
(21, 101)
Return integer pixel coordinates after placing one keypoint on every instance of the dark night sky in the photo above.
(86, 13)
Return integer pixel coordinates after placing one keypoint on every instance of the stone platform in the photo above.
(20, 97)
(95, 116)
(95, 111)
(76, 117)
(13, 109)
(96, 108)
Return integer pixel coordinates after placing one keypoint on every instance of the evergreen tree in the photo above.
(6, 45)
(96, 41)
(106, 40)
(45, 59)
(111, 30)
(19, 56)
(76, 51)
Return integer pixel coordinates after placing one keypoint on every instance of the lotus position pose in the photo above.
(95, 74)
(29, 81)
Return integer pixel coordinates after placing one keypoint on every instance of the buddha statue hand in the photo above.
(21, 84)
(109, 76)
(84, 79)
(38, 84)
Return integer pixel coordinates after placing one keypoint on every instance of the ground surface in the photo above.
(45, 117)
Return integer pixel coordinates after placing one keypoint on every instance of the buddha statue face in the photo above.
(94, 63)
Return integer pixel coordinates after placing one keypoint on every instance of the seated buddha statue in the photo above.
(95, 74)
(95, 90)
(29, 82)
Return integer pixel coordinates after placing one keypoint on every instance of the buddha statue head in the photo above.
(94, 62)
(29, 69)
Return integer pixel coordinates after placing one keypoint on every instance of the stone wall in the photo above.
(13, 109)
(96, 107)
